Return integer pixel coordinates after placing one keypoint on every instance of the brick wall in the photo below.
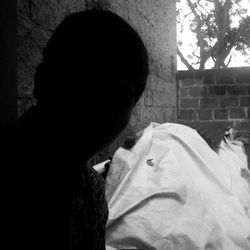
(216, 96)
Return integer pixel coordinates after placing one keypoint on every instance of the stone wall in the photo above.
(216, 96)
(36, 21)
(154, 20)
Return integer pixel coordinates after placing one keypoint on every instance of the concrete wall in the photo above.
(216, 96)
(154, 20)
(37, 19)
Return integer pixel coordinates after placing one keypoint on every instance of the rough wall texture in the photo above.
(216, 96)
(154, 20)
(37, 20)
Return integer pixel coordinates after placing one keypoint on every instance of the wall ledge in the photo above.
(199, 73)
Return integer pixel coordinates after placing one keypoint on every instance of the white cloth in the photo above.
(171, 191)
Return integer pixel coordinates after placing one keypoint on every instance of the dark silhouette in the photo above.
(93, 72)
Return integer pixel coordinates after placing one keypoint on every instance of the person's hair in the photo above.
(89, 51)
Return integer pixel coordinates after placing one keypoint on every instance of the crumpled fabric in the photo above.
(171, 191)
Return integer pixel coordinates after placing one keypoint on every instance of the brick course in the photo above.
(237, 113)
(197, 91)
(221, 114)
(237, 90)
(208, 102)
(217, 90)
(189, 103)
(216, 96)
(245, 101)
(187, 82)
(204, 114)
(186, 114)
(229, 101)
(221, 91)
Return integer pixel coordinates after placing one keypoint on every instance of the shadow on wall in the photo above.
(8, 62)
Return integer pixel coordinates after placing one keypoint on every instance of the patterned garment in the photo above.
(40, 197)
(89, 212)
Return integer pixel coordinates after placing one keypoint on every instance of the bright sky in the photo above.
(189, 39)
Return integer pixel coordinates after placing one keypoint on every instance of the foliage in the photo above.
(218, 27)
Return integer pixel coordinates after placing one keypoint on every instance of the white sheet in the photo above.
(171, 191)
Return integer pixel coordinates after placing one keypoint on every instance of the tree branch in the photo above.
(185, 16)
(229, 60)
(184, 61)
(247, 60)
(223, 24)
(202, 7)
(207, 55)
(198, 30)
(193, 53)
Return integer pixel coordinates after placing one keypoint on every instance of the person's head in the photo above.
(94, 70)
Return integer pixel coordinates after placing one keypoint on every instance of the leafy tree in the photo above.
(218, 27)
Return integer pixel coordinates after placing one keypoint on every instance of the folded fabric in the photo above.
(172, 191)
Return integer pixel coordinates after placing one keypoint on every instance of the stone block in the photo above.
(200, 81)
(221, 114)
(231, 101)
(245, 101)
(243, 75)
(216, 90)
(185, 82)
(208, 78)
(197, 91)
(224, 76)
(237, 90)
(183, 92)
(204, 114)
(237, 113)
(186, 114)
(209, 103)
(189, 102)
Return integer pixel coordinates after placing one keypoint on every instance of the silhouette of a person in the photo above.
(94, 70)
